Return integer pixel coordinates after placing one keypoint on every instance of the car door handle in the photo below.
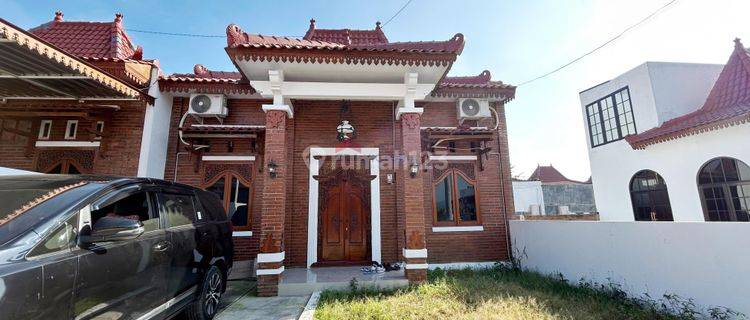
(162, 246)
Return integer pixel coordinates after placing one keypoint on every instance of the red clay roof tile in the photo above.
(727, 104)
(89, 40)
(341, 39)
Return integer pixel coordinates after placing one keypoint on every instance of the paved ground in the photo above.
(239, 302)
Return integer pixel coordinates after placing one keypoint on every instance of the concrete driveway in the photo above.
(240, 303)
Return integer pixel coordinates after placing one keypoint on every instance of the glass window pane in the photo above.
(239, 204)
(61, 239)
(444, 199)
(72, 169)
(56, 169)
(650, 197)
(744, 171)
(178, 209)
(135, 207)
(730, 169)
(467, 204)
(217, 188)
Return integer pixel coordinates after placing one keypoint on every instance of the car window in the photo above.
(60, 239)
(178, 208)
(135, 206)
(212, 206)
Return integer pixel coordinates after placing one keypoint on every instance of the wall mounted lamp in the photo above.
(272, 169)
(413, 169)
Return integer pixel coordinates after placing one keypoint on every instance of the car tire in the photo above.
(207, 302)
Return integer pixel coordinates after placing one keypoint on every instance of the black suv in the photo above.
(90, 247)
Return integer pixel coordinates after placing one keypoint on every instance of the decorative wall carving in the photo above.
(275, 118)
(467, 168)
(411, 120)
(211, 170)
(46, 158)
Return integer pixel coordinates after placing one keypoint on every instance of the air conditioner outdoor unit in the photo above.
(563, 210)
(473, 109)
(208, 105)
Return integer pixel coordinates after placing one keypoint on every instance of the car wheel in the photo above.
(207, 302)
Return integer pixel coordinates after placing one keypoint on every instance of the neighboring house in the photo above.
(338, 148)
(548, 192)
(74, 96)
(669, 141)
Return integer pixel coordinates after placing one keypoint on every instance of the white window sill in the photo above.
(241, 234)
(458, 229)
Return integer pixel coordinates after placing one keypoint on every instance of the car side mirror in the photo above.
(108, 229)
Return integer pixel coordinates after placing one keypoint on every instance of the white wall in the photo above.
(680, 88)
(701, 260)
(676, 88)
(677, 161)
(526, 193)
(154, 142)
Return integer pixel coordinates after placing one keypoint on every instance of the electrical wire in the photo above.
(619, 35)
(397, 13)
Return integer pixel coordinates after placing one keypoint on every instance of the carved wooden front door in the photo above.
(345, 219)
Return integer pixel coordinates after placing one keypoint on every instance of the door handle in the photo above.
(162, 246)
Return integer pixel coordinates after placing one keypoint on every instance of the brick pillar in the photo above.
(271, 256)
(415, 252)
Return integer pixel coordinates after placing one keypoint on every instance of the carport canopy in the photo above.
(31, 68)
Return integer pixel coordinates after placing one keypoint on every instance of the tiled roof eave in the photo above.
(42, 48)
(226, 86)
(342, 56)
(641, 144)
(507, 92)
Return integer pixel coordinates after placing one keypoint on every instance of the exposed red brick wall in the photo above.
(314, 124)
(487, 245)
(242, 112)
(122, 146)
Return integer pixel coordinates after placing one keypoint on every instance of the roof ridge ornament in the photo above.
(118, 18)
(58, 16)
(738, 44)
(200, 70)
(234, 34)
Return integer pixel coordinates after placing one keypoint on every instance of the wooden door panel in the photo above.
(333, 244)
(345, 215)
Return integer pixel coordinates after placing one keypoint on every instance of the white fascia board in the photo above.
(74, 144)
(342, 90)
(263, 272)
(279, 107)
(228, 158)
(415, 253)
(344, 152)
(271, 257)
(458, 229)
(454, 158)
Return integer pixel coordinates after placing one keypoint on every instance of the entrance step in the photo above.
(302, 281)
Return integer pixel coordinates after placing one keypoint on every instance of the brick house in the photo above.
(71, 97)
(340, 148)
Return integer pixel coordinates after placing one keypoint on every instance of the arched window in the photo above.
(236, 194)
(455, 200)
(724, 185)
(65, 166)
(650, 197)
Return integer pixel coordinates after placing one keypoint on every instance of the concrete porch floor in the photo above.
(303, 281)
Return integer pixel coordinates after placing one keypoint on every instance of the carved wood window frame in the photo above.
(454, 198)
(227, 175)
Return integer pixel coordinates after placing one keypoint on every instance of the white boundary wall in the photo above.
(706, 261)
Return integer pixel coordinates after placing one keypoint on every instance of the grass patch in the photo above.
(494, 293)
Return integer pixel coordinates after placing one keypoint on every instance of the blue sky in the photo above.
(515, 40)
